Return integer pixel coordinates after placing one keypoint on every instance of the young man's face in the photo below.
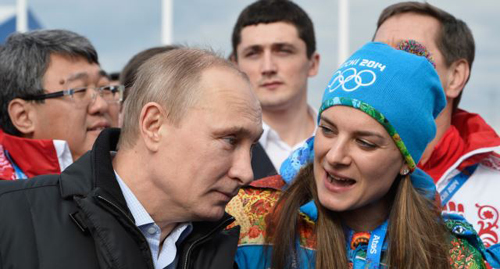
(275, 59)
(205, 159)
(65, 118)
(421, 28)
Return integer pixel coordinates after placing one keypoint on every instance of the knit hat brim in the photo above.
(379, 117)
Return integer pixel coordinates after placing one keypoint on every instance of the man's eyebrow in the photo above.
(234, 130)
(253, 48)
(85, 75)
(103, 73)
(78, 76)
(283, 44)
(238, 130)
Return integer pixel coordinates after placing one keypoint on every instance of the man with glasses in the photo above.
(54, 102)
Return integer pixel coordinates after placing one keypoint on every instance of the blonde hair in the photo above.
(171, 79)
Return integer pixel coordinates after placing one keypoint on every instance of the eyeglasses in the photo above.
(112, 94)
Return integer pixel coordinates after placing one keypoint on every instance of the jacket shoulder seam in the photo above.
(33, 228)
(28, 188)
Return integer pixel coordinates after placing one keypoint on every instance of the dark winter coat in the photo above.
(80, 219)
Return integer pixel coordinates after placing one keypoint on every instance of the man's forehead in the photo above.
(64, 69)
(229, 111)
(228, 101)
(228, 92)
(85, 74)
(409, 25)
(269, 33)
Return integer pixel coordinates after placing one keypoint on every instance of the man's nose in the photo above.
(241, 169)
(268, 64)
(98, 105)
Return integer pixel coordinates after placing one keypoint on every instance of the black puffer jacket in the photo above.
(79, 219)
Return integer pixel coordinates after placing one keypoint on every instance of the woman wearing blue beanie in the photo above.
(353, 196)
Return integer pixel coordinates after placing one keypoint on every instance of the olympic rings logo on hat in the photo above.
(340, 79)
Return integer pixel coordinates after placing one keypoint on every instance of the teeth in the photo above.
(336, 178)
(339, 180)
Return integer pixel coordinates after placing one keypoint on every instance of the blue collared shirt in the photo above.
(166, 257)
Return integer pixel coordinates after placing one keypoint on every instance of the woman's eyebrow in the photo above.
(368, 133)
(327, 120)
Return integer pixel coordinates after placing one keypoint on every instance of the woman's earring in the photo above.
(406, 171)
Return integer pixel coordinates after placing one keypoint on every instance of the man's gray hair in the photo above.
(173, 80)
(24, 59)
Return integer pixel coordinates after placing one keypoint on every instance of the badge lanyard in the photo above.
(456, 183)
(18, 172)
(374, 251)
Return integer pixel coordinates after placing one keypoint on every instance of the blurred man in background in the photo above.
(54, 102)
(115, 108)
(129, 73)
(463, 159)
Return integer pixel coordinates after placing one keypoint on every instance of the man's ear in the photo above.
(458, 73)
(22, 115)
(151, 122)
(314, 65)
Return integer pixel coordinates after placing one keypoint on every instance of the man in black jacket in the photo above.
(157, 202)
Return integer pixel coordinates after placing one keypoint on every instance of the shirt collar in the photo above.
(141, 216)
(268, 132)
(265, 134)
(46, 156)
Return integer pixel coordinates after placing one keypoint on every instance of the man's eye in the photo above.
(80, 93)
(285, 51)
(230, 140)
(109, 88)
(251, 54)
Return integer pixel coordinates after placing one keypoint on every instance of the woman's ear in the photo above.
(22, 116)
(404, 170)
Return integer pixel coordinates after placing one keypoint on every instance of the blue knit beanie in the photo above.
(400, 90)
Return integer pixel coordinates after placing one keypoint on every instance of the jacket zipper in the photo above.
(131, 221)
(224, 223)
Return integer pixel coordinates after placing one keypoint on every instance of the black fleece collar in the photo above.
(94, 171)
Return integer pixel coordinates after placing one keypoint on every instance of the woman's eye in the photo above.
(325, 130)
(366, 144)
